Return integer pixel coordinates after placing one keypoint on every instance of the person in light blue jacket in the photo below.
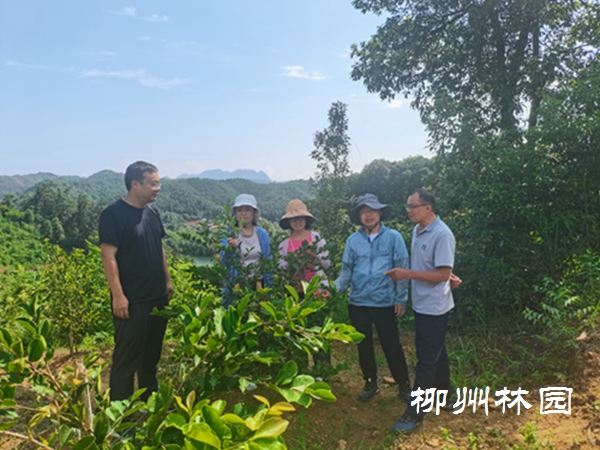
(252, 244)
(374, 298)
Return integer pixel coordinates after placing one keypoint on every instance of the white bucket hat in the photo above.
(246, 200)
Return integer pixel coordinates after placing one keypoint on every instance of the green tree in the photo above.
(393, 181)
(332, 146)
(521, 210)
(474, 67)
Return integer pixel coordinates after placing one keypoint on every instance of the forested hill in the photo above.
(180, 199)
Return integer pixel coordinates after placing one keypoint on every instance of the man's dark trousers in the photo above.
(138, 345)
(362, 318)
(433, 369)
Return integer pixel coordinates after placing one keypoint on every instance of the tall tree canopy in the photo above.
(474, 67)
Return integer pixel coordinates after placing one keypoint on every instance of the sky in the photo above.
(188, 86)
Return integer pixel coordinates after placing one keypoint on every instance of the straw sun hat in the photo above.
(296, 208)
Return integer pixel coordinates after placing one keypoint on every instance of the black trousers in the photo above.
(433, 368)
(138, 345)
(362, 318)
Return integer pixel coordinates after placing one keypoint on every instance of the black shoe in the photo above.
(407, 424)
(403, 392)
(369, 391)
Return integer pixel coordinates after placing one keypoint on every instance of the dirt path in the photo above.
(351, 425)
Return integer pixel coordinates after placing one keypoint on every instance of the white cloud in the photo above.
(139, 75)
(395, 103)
(130, 11)
(26, 66)
(301, 72)
(105, 53)
(156, 18)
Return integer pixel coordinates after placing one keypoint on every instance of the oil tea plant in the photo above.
(54, 407)
(221, 349)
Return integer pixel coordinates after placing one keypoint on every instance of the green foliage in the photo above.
(223, 348)
(331, 180)
(74, 294)
(219, 349)
(567, 304)
(519, 210)
(393, 181)
(63, 215)
(470, 66)
(20, 241)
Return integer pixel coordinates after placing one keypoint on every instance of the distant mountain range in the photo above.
(18, 184)
(218, 174)
(180, 199)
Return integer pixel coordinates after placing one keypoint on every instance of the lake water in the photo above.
(202, 260)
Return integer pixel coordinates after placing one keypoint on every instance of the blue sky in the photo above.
(187, 85)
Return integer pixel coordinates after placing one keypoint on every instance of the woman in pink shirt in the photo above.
(298, 219)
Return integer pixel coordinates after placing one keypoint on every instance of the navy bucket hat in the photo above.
(372, 202)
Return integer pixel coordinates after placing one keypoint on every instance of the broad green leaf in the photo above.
(213, 419)
(301, 382)
(287, 373)
(270, 309)
(17, 348)
(289, 395)
(219, 313)
(175, 420)
(201, 432)
(190, 400)
(219, 405)
(101, 426)
(87, 443)
(254, 423)
(65, 434)
(7, 425)
(271, 428)
(324, 394)
(304, 400)
(243, 383)
(6, 336)
(261, 399)
(28, 324)
(44, 328)
(36, 349)
(293, 293)
(180, 403)
(232, 419)
(283, 406)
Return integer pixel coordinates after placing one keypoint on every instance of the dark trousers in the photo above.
(138, 345)
(362, 318)
(433, 369)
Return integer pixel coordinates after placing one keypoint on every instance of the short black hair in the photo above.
(426, 196)
(136, 171)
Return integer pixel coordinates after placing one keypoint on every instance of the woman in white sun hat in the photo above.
(252, 243)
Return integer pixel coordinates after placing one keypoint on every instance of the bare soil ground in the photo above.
(351, 425)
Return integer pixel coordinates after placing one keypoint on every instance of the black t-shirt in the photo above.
(137, 234)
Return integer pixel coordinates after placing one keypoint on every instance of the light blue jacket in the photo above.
(364, 263)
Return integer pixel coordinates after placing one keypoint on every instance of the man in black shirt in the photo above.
(136, 270)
